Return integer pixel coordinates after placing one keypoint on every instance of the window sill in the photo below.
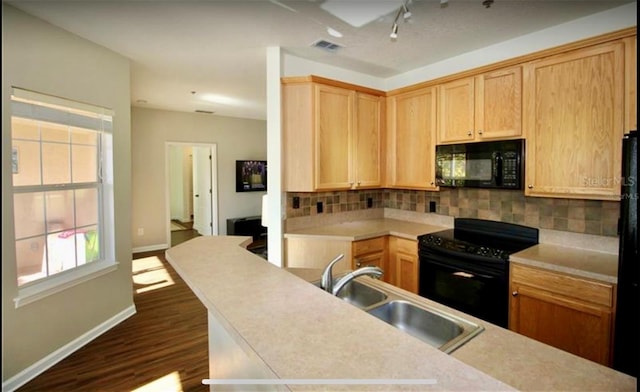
(62, 281)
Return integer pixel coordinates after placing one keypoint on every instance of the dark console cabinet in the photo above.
(249, 226)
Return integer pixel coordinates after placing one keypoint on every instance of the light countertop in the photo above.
(365, 229)
(578, 262)
(300, 331)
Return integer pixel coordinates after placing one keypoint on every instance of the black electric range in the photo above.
(467, 267)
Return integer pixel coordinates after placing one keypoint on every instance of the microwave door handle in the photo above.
(498, 173)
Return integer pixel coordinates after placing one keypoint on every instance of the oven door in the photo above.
(464, 283)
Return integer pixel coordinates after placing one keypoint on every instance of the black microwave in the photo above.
(495, 164)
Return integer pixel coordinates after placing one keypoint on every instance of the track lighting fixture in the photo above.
(394, 31)
(406, 15)
(487, 3)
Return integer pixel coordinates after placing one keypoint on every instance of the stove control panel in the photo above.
(437, 242)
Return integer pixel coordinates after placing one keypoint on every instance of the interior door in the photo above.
(202, 190)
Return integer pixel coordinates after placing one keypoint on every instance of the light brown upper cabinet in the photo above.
(411, 139)
(482, 107)
(332, 137)
(574, 121)
(631, 70)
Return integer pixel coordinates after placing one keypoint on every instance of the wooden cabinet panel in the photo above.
(456, 111)
(367, 152)
(370, 245)
(373, 252)
(631, 70)
(412, 127)
(499, 104)
(403, 260)
(334, 110)
(332, 137)
(567, 312)
(483, 107)
(574, 123)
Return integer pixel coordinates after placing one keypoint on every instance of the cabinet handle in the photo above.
(480, 131)
(359, 183)
(469, 133)
(432, 183)
(358, 264)
(515, 293)
(530, 186)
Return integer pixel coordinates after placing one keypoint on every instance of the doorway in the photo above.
(192, 191)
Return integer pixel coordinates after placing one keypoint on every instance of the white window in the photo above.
(62, 192)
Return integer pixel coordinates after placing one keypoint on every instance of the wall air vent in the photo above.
(204, 111)
(326, 45)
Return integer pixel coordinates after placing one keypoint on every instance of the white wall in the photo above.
(236, 139)
(38, 56)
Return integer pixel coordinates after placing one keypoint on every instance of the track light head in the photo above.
(394, 31)
(407, 14)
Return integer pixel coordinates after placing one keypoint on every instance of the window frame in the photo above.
(43, 287)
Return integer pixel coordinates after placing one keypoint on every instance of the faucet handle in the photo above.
(326, 282)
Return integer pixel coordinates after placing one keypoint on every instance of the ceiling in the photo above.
(210, 55)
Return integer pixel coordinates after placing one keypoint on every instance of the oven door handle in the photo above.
(429, 252)
(457, 268)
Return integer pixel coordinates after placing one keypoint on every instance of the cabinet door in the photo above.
(570, 325)
(333, 125)
(367, 154)
(499, 104)
(631, 97)
(456, 111)
(412, 119)
(574, 117)
(404, 263)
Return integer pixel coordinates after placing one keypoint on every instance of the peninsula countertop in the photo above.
(300, 331)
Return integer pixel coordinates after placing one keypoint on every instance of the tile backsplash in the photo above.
(574, 215)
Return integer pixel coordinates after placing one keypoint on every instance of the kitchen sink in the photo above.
(359, 294)
(441, 330)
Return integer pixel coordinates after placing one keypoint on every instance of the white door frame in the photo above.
(214, 184)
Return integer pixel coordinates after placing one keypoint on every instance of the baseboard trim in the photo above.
(50, 360)
(150, 248)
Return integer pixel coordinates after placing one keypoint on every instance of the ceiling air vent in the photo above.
(204, 111)
(326, 45)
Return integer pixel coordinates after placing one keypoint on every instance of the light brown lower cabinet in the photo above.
(564, 311)
(403, 263)
(371, 252)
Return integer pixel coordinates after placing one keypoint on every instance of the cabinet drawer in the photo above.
(406, 246)
(598, 293)
(368, 246)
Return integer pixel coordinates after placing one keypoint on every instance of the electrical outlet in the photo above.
(140, 231)
(319, 207)
(432, 206)
(296, 202)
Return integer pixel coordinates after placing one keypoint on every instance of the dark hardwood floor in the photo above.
(163, 347)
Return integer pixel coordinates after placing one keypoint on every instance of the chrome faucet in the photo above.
(334, 288)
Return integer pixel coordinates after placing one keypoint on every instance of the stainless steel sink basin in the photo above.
(359, 294)
(432, 326)
(442, 330)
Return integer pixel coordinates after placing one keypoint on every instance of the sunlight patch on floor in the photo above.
(169, 383)
(149, 274)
